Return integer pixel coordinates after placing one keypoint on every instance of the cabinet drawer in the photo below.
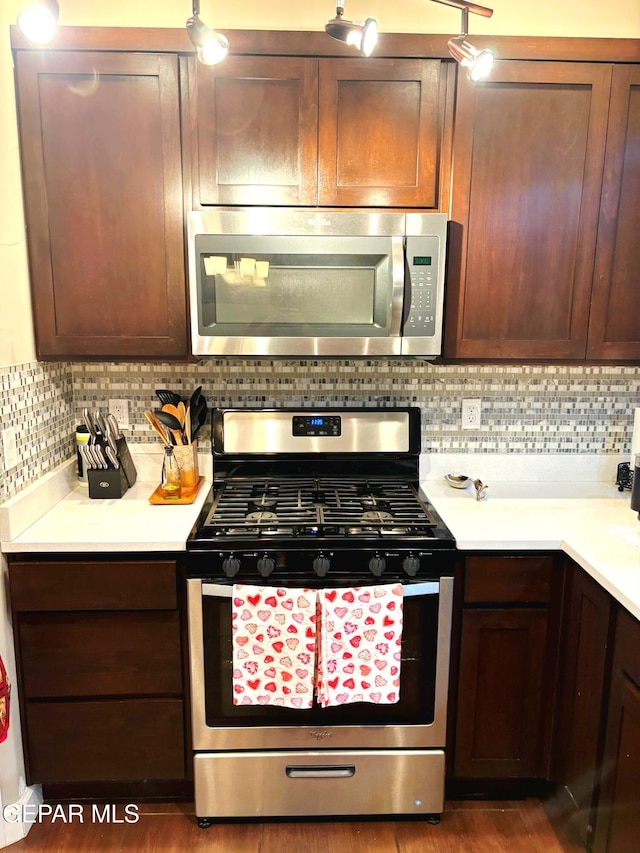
(508, 579)
(100, 654)
(93, 585)
(105, 741)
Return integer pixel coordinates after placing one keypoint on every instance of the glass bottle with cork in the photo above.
(171, 480)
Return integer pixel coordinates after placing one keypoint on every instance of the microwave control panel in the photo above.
(422, 258)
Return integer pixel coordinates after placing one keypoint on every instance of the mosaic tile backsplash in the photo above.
(525, 409)
(37, 400)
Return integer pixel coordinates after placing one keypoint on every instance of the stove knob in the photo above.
(321, 565)
(377, 565)
(266, 565)
(411, 565)
(231, 566)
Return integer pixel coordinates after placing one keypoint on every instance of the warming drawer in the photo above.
(331, 782)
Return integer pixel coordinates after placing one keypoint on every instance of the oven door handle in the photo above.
(320, 771)
(219, 590)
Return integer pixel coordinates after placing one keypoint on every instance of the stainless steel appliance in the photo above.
(275, 282)
(319, 498)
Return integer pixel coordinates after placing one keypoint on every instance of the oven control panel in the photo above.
(317, 425)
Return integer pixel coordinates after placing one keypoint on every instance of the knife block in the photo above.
(111, 483)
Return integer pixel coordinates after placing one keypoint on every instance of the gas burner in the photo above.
(259, 489)
(370, 503)
(261, 515)
(317, 497)
(369, 490)
(377, 516)
(262, 504)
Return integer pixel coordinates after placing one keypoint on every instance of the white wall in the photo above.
(584, 18)
(16, 332)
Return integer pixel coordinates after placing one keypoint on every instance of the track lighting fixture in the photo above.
(361, 36)
(477, 62)
(38, 19)
(211, 47)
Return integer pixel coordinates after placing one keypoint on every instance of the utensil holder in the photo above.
(186, 456)
(110, 483)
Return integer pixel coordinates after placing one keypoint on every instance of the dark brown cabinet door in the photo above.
(618, 818)
(528, 158)
(581, 706)
(101, 162)
(256, 131)
(379, 132)
(614, 330)
(500, 694)
(100, 670)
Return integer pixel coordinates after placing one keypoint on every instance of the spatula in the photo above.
(165, 396)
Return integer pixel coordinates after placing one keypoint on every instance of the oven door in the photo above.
(418, 720)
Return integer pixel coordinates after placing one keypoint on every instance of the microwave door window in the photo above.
(300, 291)
(296, 293)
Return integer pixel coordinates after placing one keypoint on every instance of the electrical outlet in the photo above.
(10, 447)
(471, 413)
(120, 409)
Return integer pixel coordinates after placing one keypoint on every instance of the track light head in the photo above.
(38, 19)
(211, 47)
(477, 62)
(363, 36)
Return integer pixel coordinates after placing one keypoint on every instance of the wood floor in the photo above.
(472, 827)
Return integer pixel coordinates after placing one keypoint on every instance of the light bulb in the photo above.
(38, 21)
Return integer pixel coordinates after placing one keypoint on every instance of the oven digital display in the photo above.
(422, 261)
(317, 425)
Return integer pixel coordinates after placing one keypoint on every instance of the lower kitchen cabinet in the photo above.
(505, 671)
(100, 673)
(617, 828)
(582, 694)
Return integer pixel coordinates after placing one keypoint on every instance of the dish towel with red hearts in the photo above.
(359, 647)
(274, 646)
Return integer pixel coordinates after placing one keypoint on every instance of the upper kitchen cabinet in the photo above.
(102, 177)
(614, 329)
(255, 135)
(528, 159)
(380, 132)
(330, 132)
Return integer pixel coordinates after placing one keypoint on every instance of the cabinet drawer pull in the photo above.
(319, 771)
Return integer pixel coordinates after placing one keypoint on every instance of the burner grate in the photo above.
(312, 506)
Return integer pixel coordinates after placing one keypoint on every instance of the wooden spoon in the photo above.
(175, 411)
(156, 426)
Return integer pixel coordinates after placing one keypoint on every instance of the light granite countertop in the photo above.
(57, 515)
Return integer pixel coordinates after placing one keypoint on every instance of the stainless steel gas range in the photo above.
(320, 500)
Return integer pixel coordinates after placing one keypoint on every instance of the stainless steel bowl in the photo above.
(458, 481)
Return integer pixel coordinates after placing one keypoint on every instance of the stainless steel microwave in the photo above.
(296, 282)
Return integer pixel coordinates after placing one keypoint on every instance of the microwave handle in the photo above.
(406, 297)
(398, 287)
(218, 590)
